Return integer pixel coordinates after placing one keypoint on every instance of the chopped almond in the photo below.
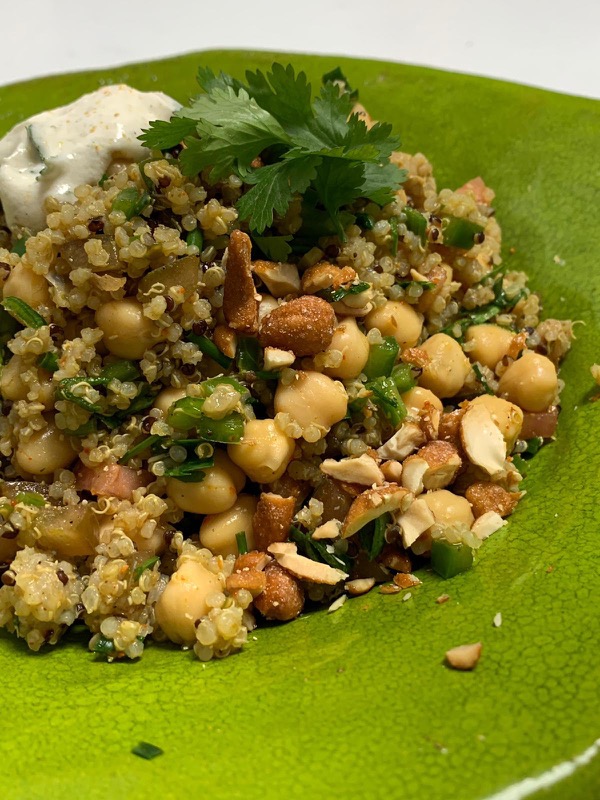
(464, 657)
(248, 573)
(304, 326)
(403, 442)
(363, 470)
(240, 302)
(326, 276)
(329, 530)
(304, 568)
(395, 559)
(406, 581)
(272, 519)
(434, 466)
(486, 496)
(280, 279)
(372, 503)
(482, 440)
(415, 520)
(276, 359)
(359, 586)
(390, 588)
(415, 357)
(226, 340)
(449, 428)
(283, 596)
(392, 471)
(486, 524)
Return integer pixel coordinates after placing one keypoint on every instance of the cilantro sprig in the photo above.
(282, 142)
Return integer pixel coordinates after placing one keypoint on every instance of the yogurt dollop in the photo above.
(51, 153)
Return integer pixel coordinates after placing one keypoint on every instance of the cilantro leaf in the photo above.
(275, 248)
(282, 93)
(380, 182)
(209, 81)
(338, 183)
(274, 187)
(162, 135)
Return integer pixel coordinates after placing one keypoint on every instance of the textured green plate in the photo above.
(358, 703)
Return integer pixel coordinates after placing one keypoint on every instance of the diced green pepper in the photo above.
(403, 378)
(147, 751)
(131, 202)
(448, 559)
(140, 447)
(195, 239)
(228, 430)
(387, 398)
(460, 232)
(416, 222)
(382, 357)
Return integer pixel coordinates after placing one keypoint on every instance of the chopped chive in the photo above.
(30, 499)
(140, 447)
(335, 295)
(425, 285)
(147, 750)
(191, 471)
(242, 543)
(480, 377)
(210, 349)
(48, 361)
(395, 235)
(131, 202)
(141, 568)
(23, 312)
(317, 551)
(121, 371)
(378, 540)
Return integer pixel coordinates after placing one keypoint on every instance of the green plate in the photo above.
(358, 703)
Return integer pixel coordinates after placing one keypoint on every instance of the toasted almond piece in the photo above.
(464, 657)
(283, 596)
(325, 276)
(417, 519)
(372, 503)
(403, 442)
(443, 598)
(415, 356)
(392, 471)
(449, 427)
(255, 559)
(486, 496)
(304, 325)
(405, 581)
(304, 568)
(395, 559)
(337, 603)
(281, 548)
(275, 359)
(226, 340)
(279, 278)
(363, 470)
(389, 588)
(433, 467)
(487, 523)
(272, 519)
(329, 530)
(240, 301)
(253, 580)
(482, 440)
(359, 586)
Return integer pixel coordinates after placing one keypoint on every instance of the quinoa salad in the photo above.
(253, 361)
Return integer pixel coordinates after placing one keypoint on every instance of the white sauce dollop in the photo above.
(51, 153)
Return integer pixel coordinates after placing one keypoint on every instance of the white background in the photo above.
(549, 43)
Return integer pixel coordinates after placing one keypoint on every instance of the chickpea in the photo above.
(28, 286)
(217, 492)
(489, 344)
(13, 387)
(218, 531)
(448, 366)
(312, 399)
(531, 382)
(449, 508)
(184, 600)
(45, 451)
(506, 416)
(354, 346)
(264, 451)
(165, 399)
(398, 319)
(127, 332)
(416, 399)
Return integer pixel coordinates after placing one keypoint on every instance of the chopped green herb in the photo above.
(481, 378)
(195, 238)
(315, 144)
(365, 221)
(147, 751)
(274, 248)
(387, 398)
(18, 246)
(395, 235)
(23, 313)
(335, 295)
(449, 559)
(210, 349)
(372, 536)
(82, 430)
(191, 471)
(31, 499)
(140, 447)
(382, 357)
(242, 544)
(249, 356)
(403, 378)
(48, 361)
(501, 303)
(104, 646)
(141, 568)
(425, 285)
(316, 550)
(131, 202)
(121, 371)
